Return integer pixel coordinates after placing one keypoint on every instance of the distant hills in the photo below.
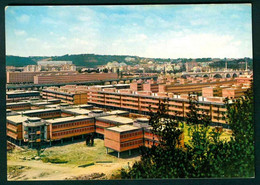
(86, 60)
(93, 60)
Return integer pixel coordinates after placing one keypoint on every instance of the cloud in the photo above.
(31, 39)
(149, 31)
(20, 32)
(197, 45)
(23, 18)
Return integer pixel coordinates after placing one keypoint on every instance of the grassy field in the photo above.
(225, 135)
(80, 160)
(75, 154)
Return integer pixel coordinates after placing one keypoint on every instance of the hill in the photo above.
(86, 60)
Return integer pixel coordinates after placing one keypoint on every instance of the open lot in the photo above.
(23, 167)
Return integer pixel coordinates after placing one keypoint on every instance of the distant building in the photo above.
(28, 77)
(72, 77)
(43, 62)
(32, 68)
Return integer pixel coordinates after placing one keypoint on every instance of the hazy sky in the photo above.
(170, 31)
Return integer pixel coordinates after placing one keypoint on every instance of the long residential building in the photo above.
(67, 78)
(28, 77)
(14, 96)
(185, 87)
(144, 102)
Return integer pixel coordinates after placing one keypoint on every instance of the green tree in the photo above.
(240, 117)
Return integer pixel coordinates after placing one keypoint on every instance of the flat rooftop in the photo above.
(115, 112)
(67, 119)
(77, 111)
(17, 118)
(123, 128)
(21, 92)
(18, 103)
(53, 106)
(116, 119)
(38, 110)
(42, 103)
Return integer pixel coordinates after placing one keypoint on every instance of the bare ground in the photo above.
(38, 170)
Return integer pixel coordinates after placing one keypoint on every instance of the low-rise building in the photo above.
(70, 127)
(14, 96)
(110, 121)
(19, 105)
(123, 138)
(42, 113)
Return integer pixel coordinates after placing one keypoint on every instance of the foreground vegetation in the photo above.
(205, 154)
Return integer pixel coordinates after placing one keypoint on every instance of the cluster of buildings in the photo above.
(144, 96)
(57, 114)
(42, 121)
(53, 72)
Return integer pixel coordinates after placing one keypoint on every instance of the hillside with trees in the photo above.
(84, 60)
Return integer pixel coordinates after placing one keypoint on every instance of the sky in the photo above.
(156, 31)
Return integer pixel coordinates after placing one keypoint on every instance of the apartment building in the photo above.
(70, 127)
(14, 96)
(151, 85)
(42, 113)
(18, 106)
(74, 77)
(123, 138)
(185, 87)
(28, 77)
(136, 86)
(234, 92)
(144, 102)
(110, 121)
(70, 96)
(14, 128)
(34, 130)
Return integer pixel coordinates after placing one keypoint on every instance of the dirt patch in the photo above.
(92, 176)
(15, 171)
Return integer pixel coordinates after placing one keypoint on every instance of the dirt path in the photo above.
(47, 171)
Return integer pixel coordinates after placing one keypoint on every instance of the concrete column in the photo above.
(82, 136)
(50, 142)
(20, 142)
(106, 150)
(72, 138)
(129, 152)
(61, 141)
(118, 154)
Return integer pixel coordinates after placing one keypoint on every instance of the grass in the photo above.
(75, 154)
(16, 154)
(79, 153)
(43, 174)
(14, 171)
(224, 135)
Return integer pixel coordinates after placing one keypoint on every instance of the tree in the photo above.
(240, 117)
